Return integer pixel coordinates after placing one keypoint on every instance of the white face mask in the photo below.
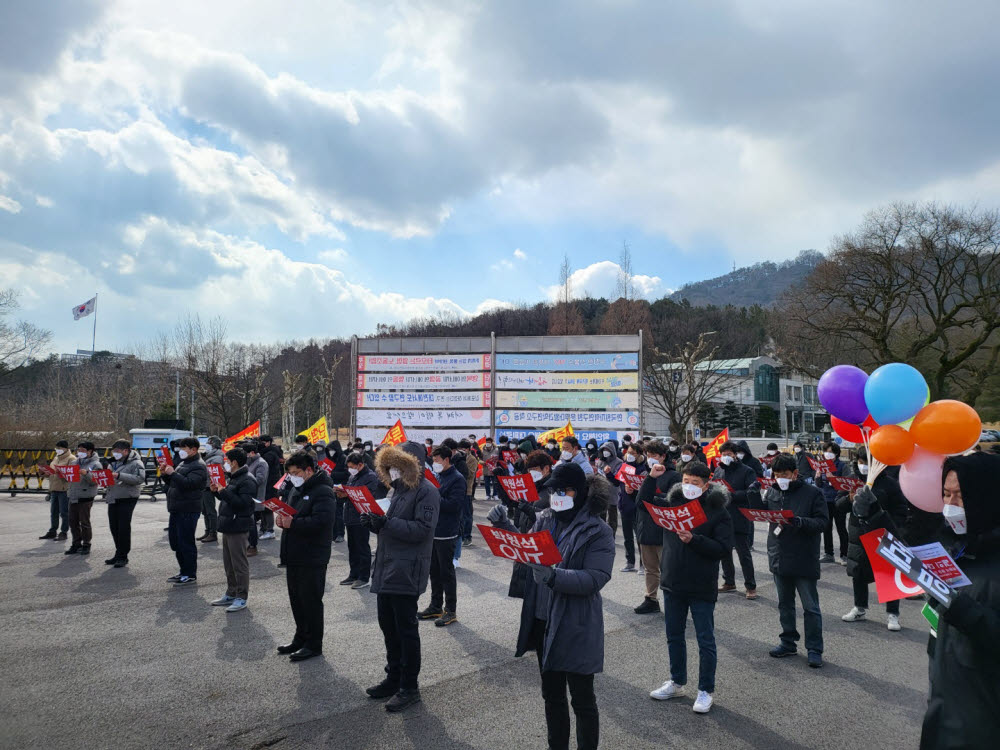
(651, 462)
(296, 481)
(60, 451)
(352, 472)
(685, 457)
(692, 491)
(536, 476)
(829, 456)
(565, 456)
(673, 448)
(117, 454)
(955, 517)
(182, 454)
(726, 460)
(606, 454)
(551, 446)
(395, 474)
(438, 468)
(741, 456)
(783, 483)
(81, 454)
(772, 453)
(630, 458)
(560, 501)
(863, 469)
(797, 449)
(227, 467)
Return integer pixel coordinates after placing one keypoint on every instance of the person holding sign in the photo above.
(359, 551)
(745, 492)
(58, 499)
(562, 616)
(305, 551)
(129, 474)
(186, 480)
(793, 557)
(654, 490)
(608, 463)
(689, 576)
(634, 465)
(449, 525)
(963, 710)
(831, 454)
(81, 498)
(236, 504)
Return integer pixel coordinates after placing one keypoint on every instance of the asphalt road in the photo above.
(96, 657)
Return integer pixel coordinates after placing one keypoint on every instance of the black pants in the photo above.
(443, 586)
(306, 586)
(338, 521)
(397, 617)
(180, 532)
(838, 517)
(581, 690)
(359, 552)
(861, 596)
(628, 535)
(741, 544)
(120, 523)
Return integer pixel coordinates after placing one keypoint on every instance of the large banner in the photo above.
(574, 362)
(583, 436)
(589, 381)
(424, 418)
(567, 400)
(420, 434)
(370, 381)
(452, 399)
(616, 420)
(423, 362)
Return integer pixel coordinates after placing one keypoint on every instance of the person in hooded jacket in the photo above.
(592, 451)
(275, 460)
(402, 567)
(552, 448)
(963, 708)
(655, 489)
(805, 470)
(236, 503)
(359, 551)
(338, 475)
(213, 455)
(608, 463)
(635, 457)
(793, 557)
(745, 493)
(746, 456)
(689, 575)
(257, 468)
(129, 474)
(562, 616)
(831, 452)
(81, 498)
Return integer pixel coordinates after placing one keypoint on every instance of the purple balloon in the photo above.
(842, 393)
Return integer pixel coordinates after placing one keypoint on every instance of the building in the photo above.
(84, 355)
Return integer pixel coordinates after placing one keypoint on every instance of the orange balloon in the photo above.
(891, 444)
(946, 427)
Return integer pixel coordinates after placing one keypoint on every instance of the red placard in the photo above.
(217, 474)
(822, 466)
(520, 487)
(766, 483)
(363, 501)
(781, 517)
(69, 473)
(511, 457)
(104, 477)
(279, 506)
(47, 470)
(890, 583)
(327, 465)
(846, 484)
(165, 459)
(723, 482)
(429, 475)
(627, 476)
(281, 482)
(678, 518)
(538, 548)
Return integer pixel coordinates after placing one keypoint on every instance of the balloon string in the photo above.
(875, 467)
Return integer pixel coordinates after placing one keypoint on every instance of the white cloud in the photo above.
(519, 254)
(509, 264)
(9, 204)
(600, 280)
(335, 257)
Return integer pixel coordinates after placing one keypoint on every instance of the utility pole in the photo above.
(177, 397)
(192, 411)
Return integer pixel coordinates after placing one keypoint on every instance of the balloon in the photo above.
(946, 427)
(853, 432)
(895, 392)
(891, 444)
(920, 478)
(842, 393)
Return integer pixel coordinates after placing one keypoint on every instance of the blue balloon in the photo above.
(895, 393)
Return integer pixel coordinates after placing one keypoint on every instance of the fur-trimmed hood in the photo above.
(714, 498)
(599, 494)
(396, 457)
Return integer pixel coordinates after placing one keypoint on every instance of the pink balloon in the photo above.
(920, 480)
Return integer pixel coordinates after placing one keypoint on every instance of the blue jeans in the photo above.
(467, 518)
(180, 532)
(811, 617)
(675, 611)
(490, 482)
(58, 509)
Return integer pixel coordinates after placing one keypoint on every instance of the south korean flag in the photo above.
(82, 311)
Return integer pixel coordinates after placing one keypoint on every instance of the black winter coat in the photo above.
(236, 502)
(654, 492)
(802, 465)
(186, 485)
(795, 551)
(692, 569)
(308, 540)
(452, 493)
(273, 456)
(626, 501)
(745, 492)
(889, 515)
(364, 478)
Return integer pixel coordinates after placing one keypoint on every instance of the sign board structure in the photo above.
(498, 385)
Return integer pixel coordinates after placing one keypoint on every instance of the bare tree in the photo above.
(291, 395)
(325, 383)
(624, 284)
(20, 341)
(565, 280)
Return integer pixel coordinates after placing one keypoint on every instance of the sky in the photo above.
(312, 169)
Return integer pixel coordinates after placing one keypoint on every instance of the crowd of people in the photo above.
(426, 493)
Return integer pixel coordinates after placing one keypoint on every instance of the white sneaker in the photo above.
(641, 570)
(237, 605)
(267, 535)
(456, 563)
(666, 691)
(703, 702)
(224, 601)
(892, 622)
(856, 613)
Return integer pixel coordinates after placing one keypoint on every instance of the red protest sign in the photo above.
(781, 517)
(627, 476)
(217, 474)
(678, 518)
(429, 475)
(520, 487)
(363, 501)
(766, 483)
(327, 465)
(281, 482)
(890, 584)
(165, 459)
(278, 506)
(104, 477)
(822, 466)
(846, 484)
(538, 548)
(511, 457)
(47, 470)
(69, 473)
(723, 482)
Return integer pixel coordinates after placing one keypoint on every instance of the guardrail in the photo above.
(19, 474)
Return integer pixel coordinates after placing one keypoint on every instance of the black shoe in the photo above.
(291, 648)
(304, 653)
(402, 700)
(431, 613)
(465, 543)
(815, 660)
(209, 538)
(648, 607)
(174, 579)
(338, 539)
(121, 562)
(61, 537)
(202, 537)
(73, 549)
(780, 651)
(385, 689)
(85, 549)
(447, 618)
(348, 581)
(49, 535)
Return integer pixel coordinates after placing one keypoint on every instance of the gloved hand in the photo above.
(865, 502)
(542, 573)
(796, 522)
(366, 520)
(375, 523)
(497, 514)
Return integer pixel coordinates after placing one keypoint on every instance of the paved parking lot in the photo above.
(95, 657)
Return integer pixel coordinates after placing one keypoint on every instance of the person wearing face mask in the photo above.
(334, 453)
(802, 465)
(688, 454)
(58, 499)
(689, 574)
(793, 557)
(608, 464)
(301, 444)
(562, 618)
(81, 496)
(573, 453)
(306, 542)
(745, 494)
(472, 466)
(636, 458)
(402, 567)
(359, 551)
(552, 448)
(442, 607)
(275, 460)
(963, 709)
(258, 469)
(767, 459)
(490, 455)
(747, 458)
(129, 474)
(186, 480)
(236, 503)
(831, 452)
(674, 451)
(213, 455)
(881, 506)
(592, 452)
(655, 489)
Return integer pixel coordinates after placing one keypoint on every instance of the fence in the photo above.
(19, 474)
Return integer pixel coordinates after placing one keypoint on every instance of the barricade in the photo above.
(19, 473)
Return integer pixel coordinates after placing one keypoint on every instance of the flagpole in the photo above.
(93, 341)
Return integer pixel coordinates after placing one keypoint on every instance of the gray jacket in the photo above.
(130, 476)
(258, 470)
(86, 488)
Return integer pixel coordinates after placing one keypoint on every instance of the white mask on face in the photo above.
(438, 468)
(536, 475)
(685, 457)
(227, 467)
(651, 462)
(863, 469)
(117, 454)
(797, 449)
(395, 474)
(352, 472)
(606, 454)
(551, 446)
(955, 517)
(60, 451)
(783, 483)
(296, 481)
(829, 455)
(726, 460)
(692, 491)
(560, 501)
(630, 458)
(565, 456)
(81, 454)
(772, 453)
(741, 456)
